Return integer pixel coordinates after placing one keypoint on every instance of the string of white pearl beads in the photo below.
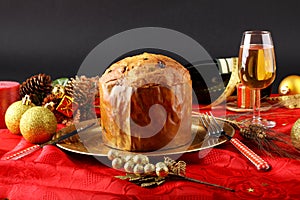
(161, 169)
(136, 163)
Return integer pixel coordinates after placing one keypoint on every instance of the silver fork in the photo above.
(214, 129)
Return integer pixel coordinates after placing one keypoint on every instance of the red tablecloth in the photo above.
(52, 173)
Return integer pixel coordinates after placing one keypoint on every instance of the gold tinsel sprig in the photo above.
(140, 171)
(270, 142)
(288, 101)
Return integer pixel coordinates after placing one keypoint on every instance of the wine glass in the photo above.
(257, 68)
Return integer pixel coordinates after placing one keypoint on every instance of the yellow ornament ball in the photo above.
(14, 113)
(290, 85)
(38, 125)
(295, 134)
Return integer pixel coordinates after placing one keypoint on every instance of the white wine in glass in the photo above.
(257, 67)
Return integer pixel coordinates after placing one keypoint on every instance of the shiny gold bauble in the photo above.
(13, 115)
(295, 134)
(290, 85)
(38, 125)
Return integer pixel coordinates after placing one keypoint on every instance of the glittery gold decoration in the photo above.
(289, 85)
(176, 167)
(288, 101)
(295, 134)
(14, 113)
(38, 125)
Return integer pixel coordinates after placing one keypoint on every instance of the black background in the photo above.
(53, 37)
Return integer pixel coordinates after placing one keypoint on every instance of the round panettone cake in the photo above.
(146, 103)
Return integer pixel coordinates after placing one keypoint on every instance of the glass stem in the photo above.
(256, 106)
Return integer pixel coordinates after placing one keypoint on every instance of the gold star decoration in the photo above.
(250, 190)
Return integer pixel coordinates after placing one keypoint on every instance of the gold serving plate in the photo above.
(90, 142)
(232, 106)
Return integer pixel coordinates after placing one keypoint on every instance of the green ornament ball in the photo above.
(14, 113)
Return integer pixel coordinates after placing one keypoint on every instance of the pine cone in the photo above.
(69, 88)
(51, 98)
(82, 89)
(37, 87)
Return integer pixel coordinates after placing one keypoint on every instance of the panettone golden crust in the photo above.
(128, 90)
(145, 65)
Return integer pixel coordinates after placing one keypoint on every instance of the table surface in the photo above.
(52, 173)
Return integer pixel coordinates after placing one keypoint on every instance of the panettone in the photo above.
(146, 103)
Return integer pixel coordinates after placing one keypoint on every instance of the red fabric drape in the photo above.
(52, 173)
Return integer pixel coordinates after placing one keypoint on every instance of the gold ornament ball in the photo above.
(13, 115)
(289, 85)
(38, 125)
(295, 134)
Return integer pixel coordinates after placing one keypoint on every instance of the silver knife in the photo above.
(24, 152)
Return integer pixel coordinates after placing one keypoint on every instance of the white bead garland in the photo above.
(140, 159)
(128, 157)
(129, 165)
(138, 169)
(149, 168)
(138, 164)
(112, 154)
(117, 163)
(161, 169)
